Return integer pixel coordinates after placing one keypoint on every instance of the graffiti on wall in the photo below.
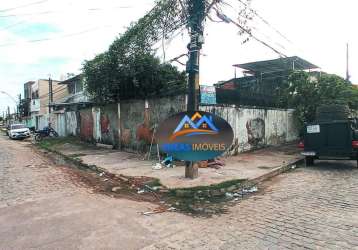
(255, 131)
(86, 130)
(144, 134)
(105, 124)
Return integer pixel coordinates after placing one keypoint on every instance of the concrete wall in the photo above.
(72, 124)
(255, 128)
(130, 125)
(138, 119)
(109, 124)
(86, 125)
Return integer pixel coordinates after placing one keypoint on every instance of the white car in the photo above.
(18, 131)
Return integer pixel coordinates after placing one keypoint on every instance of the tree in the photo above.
(306, 91)
(129, 68)
(111, 79)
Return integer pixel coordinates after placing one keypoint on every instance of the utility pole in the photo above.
(196, 12)
(347, 65)
(50, 94)
(8, 114)
(19, 109)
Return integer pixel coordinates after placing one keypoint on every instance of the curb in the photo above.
(236, 185)
(79, 163)
(276, 171)
(217, 190)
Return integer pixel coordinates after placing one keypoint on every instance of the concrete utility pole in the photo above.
(19, 109)
(8, 114)
(196, 12)
(50, 94)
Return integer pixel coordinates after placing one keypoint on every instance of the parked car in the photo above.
(333, 136)
(18, 131)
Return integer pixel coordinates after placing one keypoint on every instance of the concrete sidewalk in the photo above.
(251, 166)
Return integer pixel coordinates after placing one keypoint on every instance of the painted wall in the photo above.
(72, 127)
(254, 128)
(108, 125)
(86, 125)
(139, 118)
(130, 125)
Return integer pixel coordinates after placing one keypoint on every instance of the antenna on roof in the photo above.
(347, 65)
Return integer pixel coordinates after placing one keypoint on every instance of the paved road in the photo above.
(42, 207)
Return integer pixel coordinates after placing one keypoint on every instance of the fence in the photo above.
(130, 124)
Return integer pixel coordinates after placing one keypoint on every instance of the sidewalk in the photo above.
(254, 165)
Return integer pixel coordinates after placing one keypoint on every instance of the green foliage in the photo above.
(305, 92)
(129, 68)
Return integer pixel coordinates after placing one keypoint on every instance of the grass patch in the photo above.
(50, 143)
(218, 186)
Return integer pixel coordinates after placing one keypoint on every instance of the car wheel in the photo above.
(309, 160)
(38, 137)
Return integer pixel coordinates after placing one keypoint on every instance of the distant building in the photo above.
(76, 98)
(36, 101)
(261, 82)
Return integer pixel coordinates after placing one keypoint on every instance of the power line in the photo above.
(255, 28)
(55, 38)
(24, 6)
(12, 25)
(229, 20)
(265, 21)
(47, 12)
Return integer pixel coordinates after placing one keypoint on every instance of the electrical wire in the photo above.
(59, 90)
(23, 6)
(264, 20)
(229, 20)
(13, 25)
(56, 38)
(64, 11)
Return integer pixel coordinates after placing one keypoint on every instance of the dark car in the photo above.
(330, 139)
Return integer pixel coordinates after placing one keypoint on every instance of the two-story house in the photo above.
(77, 97)
(39, 93)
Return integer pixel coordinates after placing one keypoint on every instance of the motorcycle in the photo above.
(46, 132)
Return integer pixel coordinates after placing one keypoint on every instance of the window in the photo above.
(18, 126)
(79, 86)
(75, 87)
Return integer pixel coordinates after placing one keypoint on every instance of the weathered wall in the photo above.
(138, 119)
(72, 124)
(131, 117)
(109, 125)
(131, 124)
(86, 125)
(255, 128)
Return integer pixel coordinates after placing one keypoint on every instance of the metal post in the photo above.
(8, 114)
(50, 95)
(196, 10)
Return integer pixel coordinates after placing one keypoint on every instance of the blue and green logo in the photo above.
(194, 136)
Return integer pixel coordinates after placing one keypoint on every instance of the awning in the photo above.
(276, 65)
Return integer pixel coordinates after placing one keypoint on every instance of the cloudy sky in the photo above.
(43, 37)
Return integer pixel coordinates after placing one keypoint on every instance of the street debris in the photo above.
(116, 189)
(253, 189)
(160, 209)
(157, 166)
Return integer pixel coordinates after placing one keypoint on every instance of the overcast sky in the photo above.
(317, 30)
